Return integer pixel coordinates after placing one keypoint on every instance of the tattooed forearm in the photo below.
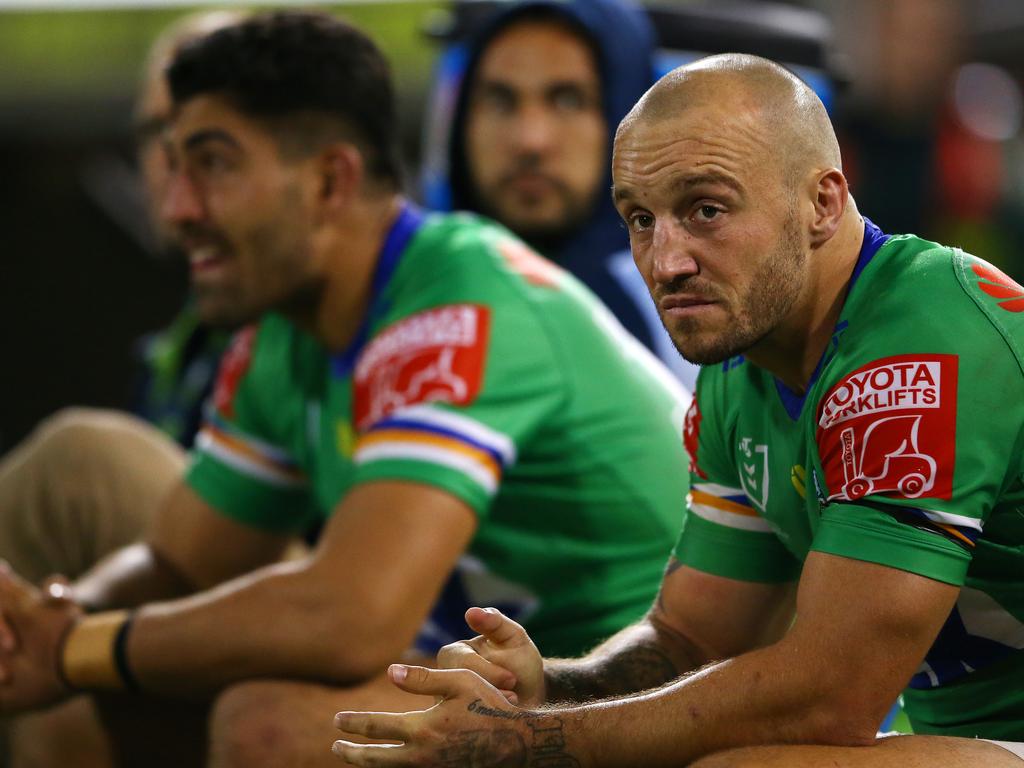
(479, 708)
(631, 669)
(505, 747)
(502, 748)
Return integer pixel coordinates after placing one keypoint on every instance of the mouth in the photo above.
(529, 183)
(204, 259)
(684, 305)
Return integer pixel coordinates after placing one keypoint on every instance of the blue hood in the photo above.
(624, 41)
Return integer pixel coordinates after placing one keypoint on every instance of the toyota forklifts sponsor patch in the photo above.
(889, 428)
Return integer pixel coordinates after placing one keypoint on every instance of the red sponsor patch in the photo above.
(436, 355)
(233, 366)
(691, 436)
(889, 428)
(531, 265)
(1000, 286)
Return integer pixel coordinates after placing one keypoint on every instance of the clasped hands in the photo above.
(487, 689)
(34, 623)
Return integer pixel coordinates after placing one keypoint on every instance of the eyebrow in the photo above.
(688, 183)
(497, 83)
(710, 177)
(211, 134)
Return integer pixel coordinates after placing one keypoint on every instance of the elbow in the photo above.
(837, 726)
(843, 716)
(362, 648)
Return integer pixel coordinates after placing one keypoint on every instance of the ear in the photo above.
(340, 172)
(830, 196)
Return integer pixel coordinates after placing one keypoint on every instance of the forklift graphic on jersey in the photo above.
(903, 467)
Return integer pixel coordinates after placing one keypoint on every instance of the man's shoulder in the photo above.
(460, 252)
(920, 296)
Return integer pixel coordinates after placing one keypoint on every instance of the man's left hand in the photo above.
(473, 725)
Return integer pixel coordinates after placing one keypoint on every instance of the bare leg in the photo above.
(893, 752)
(282, 724)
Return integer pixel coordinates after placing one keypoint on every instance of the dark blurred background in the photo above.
(928, 107)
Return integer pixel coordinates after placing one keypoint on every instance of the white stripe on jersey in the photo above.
(433, 455)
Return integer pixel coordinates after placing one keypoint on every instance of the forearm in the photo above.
(279, 621)
(129, 577)
(764, 697)
(642, 656)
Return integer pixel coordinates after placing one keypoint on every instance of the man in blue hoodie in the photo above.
(543, 86)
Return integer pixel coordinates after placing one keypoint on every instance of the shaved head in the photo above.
(727, 174)
(789, 116)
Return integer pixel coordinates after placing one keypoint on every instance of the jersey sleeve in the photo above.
(239, 464)
(916, 449)
(453, 395)
(723, 533)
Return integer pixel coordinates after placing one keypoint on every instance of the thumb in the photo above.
(496, 627)
(443, 683)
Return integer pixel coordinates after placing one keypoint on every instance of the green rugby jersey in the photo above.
(490, 373)
(906, 451)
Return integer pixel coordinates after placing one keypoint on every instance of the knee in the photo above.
(249, 726)
(70, 435)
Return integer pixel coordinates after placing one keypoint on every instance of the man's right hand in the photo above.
(502, 654)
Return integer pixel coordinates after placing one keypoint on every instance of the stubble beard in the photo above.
(772, 294)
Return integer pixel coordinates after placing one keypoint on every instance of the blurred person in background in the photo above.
(528, 141)
(87, 481)
(451, 404)
(926, 134)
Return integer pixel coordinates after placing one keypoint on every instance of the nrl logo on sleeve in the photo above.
(890, 428)
(436, 355)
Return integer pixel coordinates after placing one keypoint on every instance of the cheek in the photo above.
(483, 146)
(587, 147)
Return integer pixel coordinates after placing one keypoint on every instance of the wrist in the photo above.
(93, 655)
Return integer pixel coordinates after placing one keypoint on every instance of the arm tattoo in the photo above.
(633, 669)
(505, 747)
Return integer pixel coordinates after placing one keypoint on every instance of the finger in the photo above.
(375, 725)
(8, 639)
(446, 683)
(498, 628)
(510, 696)
(465, 656)
(13, 586)
(372, 754)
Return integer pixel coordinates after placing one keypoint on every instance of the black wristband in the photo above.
(131, 683)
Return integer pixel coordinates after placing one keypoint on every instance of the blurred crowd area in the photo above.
(925, 94)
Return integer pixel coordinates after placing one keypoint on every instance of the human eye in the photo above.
(569, 99)
(640, 221)
(495, 99)
(706, 212)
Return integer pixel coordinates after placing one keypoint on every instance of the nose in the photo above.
(534, 129)
(181, 202)
(671, 252)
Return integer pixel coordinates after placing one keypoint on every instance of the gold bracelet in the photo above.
(88, 660)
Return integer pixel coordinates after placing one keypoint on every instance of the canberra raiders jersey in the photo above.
(906, 451)
(487, 372)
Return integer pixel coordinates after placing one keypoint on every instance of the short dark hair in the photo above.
(287, 67)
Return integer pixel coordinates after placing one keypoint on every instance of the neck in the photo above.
(351, 249)
(792, 350)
